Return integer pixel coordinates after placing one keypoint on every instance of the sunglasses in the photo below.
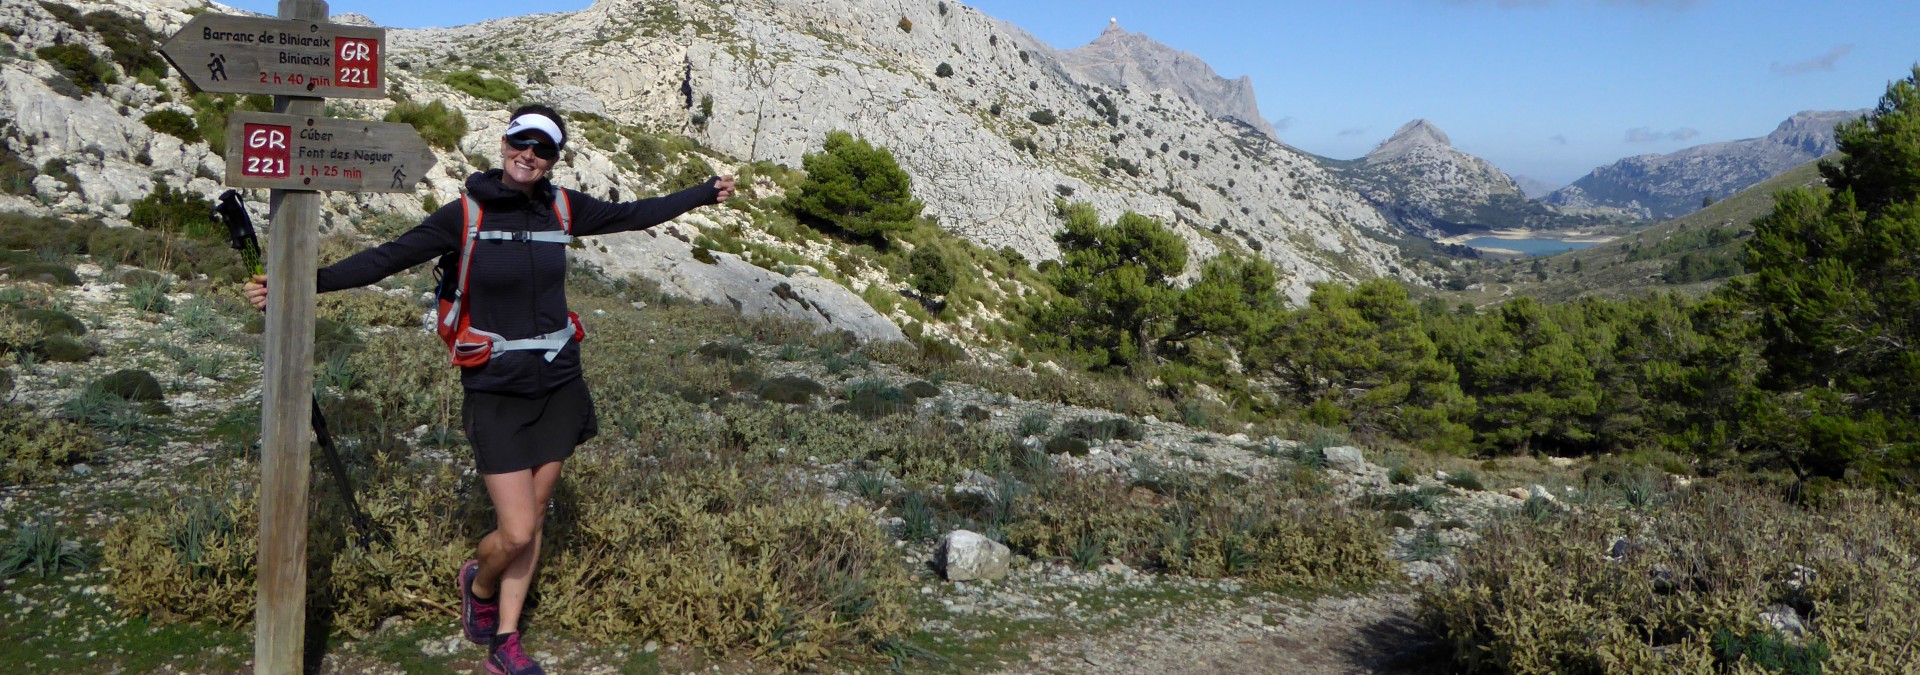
(541, 149)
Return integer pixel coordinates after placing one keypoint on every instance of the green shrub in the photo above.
(791, 389)
(692, 172)
(872, 398)
(688, 551)
(134, 46)
(1465, 480)
(33, 448)
(922, 389)
(45, 272)
(1103, 430)
(210, 111)
(41, 548)
(1067, 444)
(932, 272)
(16, 176)
(170, 211)
(482, 86)
(943, 70)
(64, 349)
(91, 73)
(173, 123)
(730, 353)
(441, 125)
(1568, 593)
(183, 256)
(1204, 528)
(130, 385)
(370, 308)
(1768, 649)
(1043, 117)
(150, 295)
(1034, 424)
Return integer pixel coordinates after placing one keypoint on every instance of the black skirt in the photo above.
(515, 433)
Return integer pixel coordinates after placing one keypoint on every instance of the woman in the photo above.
(526, 408)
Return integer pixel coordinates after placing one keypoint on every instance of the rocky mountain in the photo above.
(991, 123)
(1126, 60)
(1672, 185)
(1420, 181)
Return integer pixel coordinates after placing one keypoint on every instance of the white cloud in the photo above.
(1819, 63)
(1649, 135)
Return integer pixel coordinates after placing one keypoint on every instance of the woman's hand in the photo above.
(256, 291)
(725, 185)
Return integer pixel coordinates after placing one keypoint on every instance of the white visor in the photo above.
(536, 122)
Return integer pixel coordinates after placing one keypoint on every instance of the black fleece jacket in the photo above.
(517, 288)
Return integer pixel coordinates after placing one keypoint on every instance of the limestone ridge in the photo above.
(1420, 181)
(1132, 60)
(760, 80)
(782, 73)
(1673, 185)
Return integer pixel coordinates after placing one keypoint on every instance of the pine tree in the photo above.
(1837, 287)
(1364, 353)
(857, 188)
(1115, 285)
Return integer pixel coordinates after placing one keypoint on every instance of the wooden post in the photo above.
(279, 624)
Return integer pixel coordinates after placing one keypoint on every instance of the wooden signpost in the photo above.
(286, 57)
(299, 58)
(297, 152)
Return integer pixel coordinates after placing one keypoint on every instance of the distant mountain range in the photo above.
(1661, 187)
(1417, 179)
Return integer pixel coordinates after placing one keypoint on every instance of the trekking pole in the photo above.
(241, 236)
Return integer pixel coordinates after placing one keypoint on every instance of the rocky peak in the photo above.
(1123, 59)
(1430, 188)
(1811, 131)
(1411, 136)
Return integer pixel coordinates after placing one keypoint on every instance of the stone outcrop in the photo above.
(666, 255)
(1676, 184)
(1124, 60)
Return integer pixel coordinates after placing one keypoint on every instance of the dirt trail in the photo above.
(1330, 636)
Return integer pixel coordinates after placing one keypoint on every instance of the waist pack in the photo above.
(472, 347)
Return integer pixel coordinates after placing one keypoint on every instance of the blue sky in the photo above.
(1548, 89)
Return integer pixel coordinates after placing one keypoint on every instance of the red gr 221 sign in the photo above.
(267, 151)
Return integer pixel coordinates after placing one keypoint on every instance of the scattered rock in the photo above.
(1786, 620)
(967, 556)
(1345, 458)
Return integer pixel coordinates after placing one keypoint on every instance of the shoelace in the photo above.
(510, 652)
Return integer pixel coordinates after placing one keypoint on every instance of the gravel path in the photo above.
(1329, 636)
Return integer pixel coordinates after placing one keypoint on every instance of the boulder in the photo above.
(967, 556)
(666, 256)
(1345, 458)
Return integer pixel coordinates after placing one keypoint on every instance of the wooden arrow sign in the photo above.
(298, 152)
(227, 54)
